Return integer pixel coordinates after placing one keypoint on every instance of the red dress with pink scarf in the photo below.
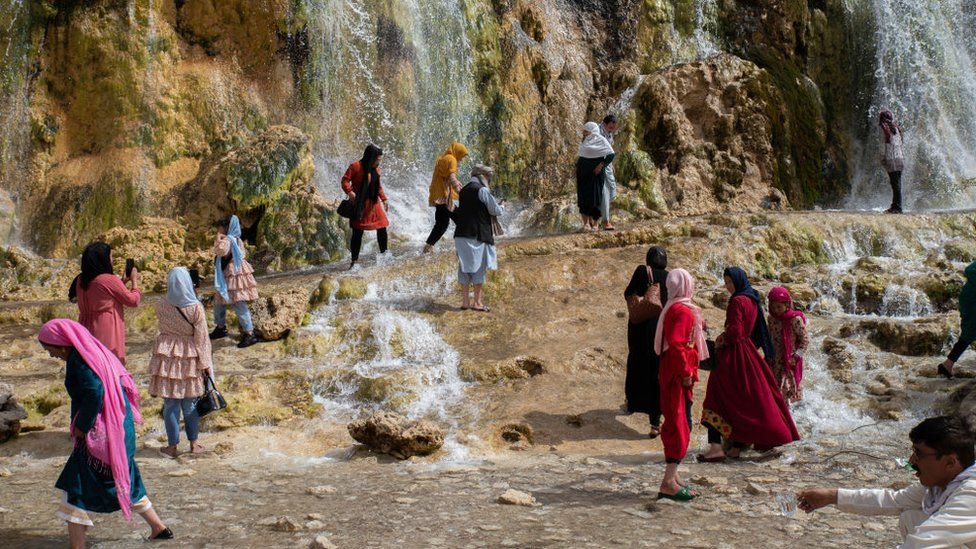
(743, 401)
(679, 360)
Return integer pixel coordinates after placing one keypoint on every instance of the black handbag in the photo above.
(347, 208)
(212, 400)
(710, 364)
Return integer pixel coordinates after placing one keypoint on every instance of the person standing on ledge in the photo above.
(893, 157)
(444, 189)
(474, 236)
(940, 511)
(595, 154)
(608, 129)
(362, 184)
(234, 281)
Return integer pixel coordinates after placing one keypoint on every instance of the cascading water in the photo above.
(398, 75)
(924, 60)
(14, 104)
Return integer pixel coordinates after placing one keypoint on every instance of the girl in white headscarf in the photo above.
(181, 359)
(595, 154)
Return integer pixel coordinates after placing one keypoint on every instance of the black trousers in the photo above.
(895, 179)
(442, 220)
(715, 437)
(958, 349)
(357, 241)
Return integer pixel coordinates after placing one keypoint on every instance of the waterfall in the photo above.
(399, 76)
(14, 105)
(924, 61)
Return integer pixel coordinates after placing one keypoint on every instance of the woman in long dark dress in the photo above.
(743, 402)
(641, 386)
(101, 475)
(595, 154)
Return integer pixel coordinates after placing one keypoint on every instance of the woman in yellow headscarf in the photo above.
(444, 187)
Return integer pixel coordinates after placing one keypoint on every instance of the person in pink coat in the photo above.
(102, 297)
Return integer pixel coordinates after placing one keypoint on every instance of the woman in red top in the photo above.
(102, 295)
(362, 184)
(680, 341)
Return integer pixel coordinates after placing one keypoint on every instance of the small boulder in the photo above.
(277, 315)
(393, 434)
(11, 413)
(321, 542)
(286, 524)
(516, 497)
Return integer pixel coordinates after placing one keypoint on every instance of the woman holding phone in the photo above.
(102, 297)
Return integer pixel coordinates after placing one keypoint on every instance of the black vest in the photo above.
(471, 217)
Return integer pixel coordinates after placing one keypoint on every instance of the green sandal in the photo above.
(684, 494)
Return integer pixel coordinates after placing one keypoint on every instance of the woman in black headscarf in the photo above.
(361, 183)
(642, 387)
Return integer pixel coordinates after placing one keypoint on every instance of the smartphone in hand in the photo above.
(129, 265)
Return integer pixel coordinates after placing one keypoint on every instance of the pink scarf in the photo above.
(782, 295)
(105, 442)
(681, 288)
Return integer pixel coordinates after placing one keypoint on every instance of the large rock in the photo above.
(393, 434)
(11, 413)
(921, 337)
(277, 315)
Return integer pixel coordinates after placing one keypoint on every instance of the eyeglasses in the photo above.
(917, 455)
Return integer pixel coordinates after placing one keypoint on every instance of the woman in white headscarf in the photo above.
(181, 359)
(595, 154)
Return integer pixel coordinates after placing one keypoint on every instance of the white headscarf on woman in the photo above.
(179, 288)
(482, 172)
(594, 145)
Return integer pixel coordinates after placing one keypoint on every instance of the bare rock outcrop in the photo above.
(278, 314)
(393, 434)
(11, 413)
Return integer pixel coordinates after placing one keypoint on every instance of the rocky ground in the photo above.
(528, 396)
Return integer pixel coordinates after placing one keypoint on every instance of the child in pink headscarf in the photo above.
(101, 475)
(788, 331)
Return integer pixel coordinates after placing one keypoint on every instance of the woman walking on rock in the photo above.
(967, 315)
(680, 340)
(743, 402)
(444, 189)
(595, 154)
(181, 359)
(102, 297)
(646, 296)
(474, 239)
(893, 157)
(234, 280)
(788, 333)
(361, 183)
(101, 475)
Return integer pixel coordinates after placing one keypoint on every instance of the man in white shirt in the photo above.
(938, 512)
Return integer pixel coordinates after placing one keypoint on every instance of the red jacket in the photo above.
(373, 215)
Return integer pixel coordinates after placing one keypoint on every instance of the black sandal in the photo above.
(164, 535)
(944, 372)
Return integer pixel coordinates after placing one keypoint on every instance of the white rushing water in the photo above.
(14, 102)
(924, 60)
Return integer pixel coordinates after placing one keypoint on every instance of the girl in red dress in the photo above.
(362, 184)
(680, 341)
(743, 402)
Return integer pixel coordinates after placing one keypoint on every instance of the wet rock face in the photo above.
(921, 337)
(393, 434)
(11, 413)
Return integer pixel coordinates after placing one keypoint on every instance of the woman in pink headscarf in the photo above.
(680, 340)
(788, 332)
(101, 475)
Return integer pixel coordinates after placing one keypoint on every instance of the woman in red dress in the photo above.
(362, 184)
(680, 341)
(743, 402)
(101, 297)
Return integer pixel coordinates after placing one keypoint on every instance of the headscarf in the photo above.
(457, 150)
(760, 332)
(594, 145)
(681, 288)
(95, 260)
(179, 288)
(657, 258)
(233, 234)
(653, 271)
(105, 442)
(780, 294)
(887, 122)
(482, 172)
(371, 176)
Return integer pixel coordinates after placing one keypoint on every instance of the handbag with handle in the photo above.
(347, 209)
(212, 400)
(643, 308)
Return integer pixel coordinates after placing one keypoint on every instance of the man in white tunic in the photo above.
(938, 512)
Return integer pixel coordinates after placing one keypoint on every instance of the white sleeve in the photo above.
(880, 502)
(493, 208)
(953, 525)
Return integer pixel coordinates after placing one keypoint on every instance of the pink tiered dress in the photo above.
(181, 352)
(241, 285)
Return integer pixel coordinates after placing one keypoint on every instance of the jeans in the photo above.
(895, 179)
(357, 241)
(243, 315)
(442, 220)
(958, 349)
(172, 407)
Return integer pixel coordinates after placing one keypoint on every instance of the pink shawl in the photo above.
(105, 442)
(681, 288)
(782, 295)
